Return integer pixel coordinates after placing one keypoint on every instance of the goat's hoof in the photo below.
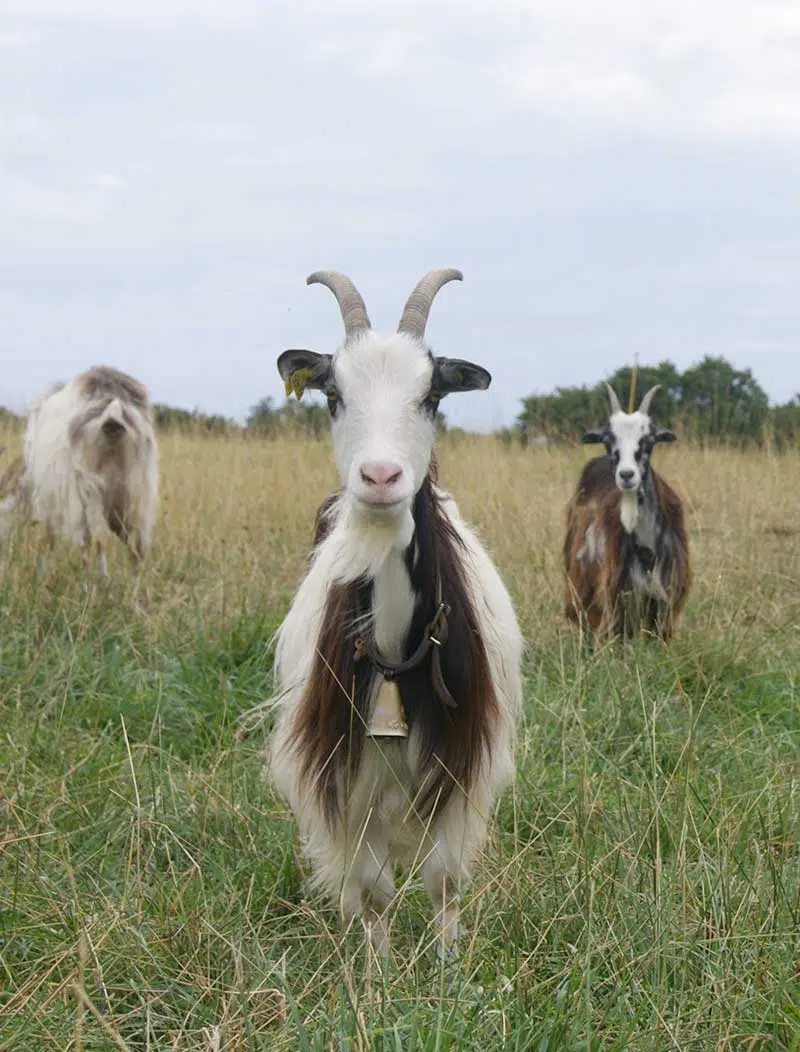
(447, 953)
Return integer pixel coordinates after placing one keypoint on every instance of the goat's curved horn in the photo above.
(354, 311)
(645, 405)
(418, 304)
(612, 394)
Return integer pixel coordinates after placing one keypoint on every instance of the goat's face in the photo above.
(382, 394)
(382, 420)
(629, 439)
(101, 424)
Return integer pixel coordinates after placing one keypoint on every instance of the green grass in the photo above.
(640, 890)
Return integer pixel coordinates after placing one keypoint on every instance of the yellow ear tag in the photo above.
(298, 381)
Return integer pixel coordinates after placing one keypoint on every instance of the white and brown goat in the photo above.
(626, 553)
(91, 465)
(397, 666)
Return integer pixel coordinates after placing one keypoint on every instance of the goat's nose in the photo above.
(113, 428)
(626, 475)
(380, 473)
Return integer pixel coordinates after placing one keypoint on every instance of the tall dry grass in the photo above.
(236, 516)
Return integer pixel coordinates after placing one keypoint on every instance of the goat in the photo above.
(397, 665)
(626, 552)
(91, 464)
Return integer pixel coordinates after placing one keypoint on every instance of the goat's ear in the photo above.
(451, 375)
(664, 435)
(593, 437)
(300, 369)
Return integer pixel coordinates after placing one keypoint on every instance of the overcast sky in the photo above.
(612, 178)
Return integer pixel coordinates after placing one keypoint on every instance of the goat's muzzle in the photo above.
(113, 428)
(380, 484)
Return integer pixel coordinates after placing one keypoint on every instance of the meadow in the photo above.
(641, 886)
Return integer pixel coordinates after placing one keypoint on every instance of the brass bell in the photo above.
(388, 719)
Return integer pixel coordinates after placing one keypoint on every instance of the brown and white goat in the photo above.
(90, 463)
(397, 666)
(626, 553)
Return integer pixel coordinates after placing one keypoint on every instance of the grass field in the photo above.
(641, 888)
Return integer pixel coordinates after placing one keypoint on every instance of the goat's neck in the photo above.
(638, 512)
(378, 548)
(393, 606)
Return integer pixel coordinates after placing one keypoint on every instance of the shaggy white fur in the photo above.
(74, 478)
(352, 862)
(382, 391)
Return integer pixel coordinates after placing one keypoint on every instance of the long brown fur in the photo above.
(594, 592)
(108, 459)
(329, 729)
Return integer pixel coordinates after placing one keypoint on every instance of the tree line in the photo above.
(308, 416)
(710, 401)
(265, 419)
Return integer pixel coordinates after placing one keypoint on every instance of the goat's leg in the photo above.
(93, 546)
(102, 561)
(442, 888)
(43, 558)
(664, 624)
(136, 549)
(369, 890)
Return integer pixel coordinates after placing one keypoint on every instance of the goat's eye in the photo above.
(615, 455)
(334, 400)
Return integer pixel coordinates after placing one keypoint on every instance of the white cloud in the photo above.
(63, 204)
(571, 84)
(731, 69)
(610, 177)
(18, 38)
(107, 181)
